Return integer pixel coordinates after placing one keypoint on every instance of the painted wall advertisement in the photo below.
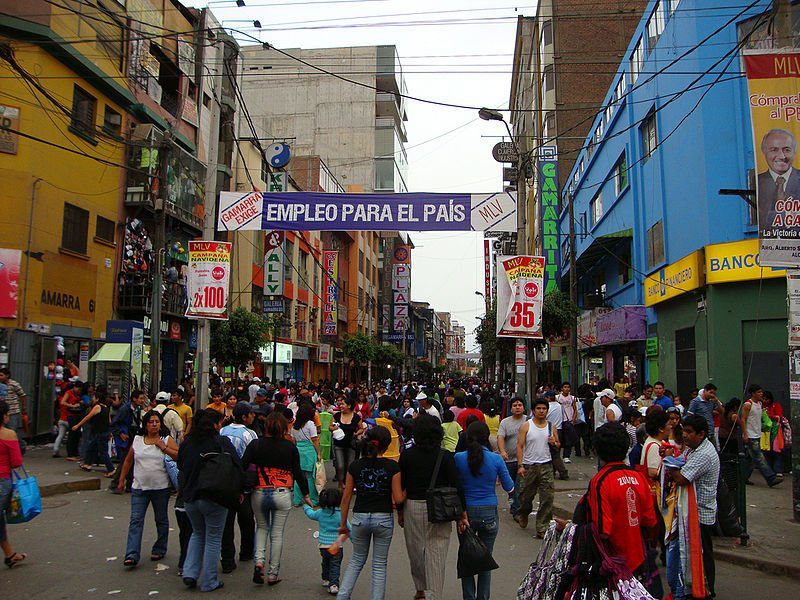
(330, 293)
(209, 274)
(774, 98)
(9, 282)
(548, 203)
(520, 295)
(313, 211)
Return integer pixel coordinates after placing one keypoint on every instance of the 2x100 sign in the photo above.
(209, 297)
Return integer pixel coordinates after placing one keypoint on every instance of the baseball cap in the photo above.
(261, 392)
(549, 394)
(162, 397)
(607, 392)
(242, 409)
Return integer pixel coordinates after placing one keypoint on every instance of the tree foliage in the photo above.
(359, 348)
(236, 341)
(558, 314)
(486, 337)
(388, 354)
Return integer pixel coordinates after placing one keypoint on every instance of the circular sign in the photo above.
(217, 273)
(278, 154)
(401, 254)
(274, 239)
(531, 289)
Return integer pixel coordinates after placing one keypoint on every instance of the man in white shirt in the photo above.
(569, 408)
(172, 420)
(253, 389)
(426, 405)
(555, 416)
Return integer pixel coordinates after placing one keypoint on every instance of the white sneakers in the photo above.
(567, 461)
(333, 590)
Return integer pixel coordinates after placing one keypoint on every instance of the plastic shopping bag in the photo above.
(473, 555)
(26, 502)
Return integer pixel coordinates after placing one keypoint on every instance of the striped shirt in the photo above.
(13, 395)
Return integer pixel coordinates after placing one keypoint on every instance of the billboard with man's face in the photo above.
(774, 98)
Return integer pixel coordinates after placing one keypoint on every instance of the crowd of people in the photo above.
(390, 444)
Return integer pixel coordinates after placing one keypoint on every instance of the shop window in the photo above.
(75, 229)
(655, 244)
(104, 229)
(685, 361)
(84, 107)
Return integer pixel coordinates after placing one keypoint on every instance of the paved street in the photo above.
(76, 548)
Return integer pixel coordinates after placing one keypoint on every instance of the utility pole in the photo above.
(522, 248)
(573, 295)
(204, 325)
(158, 268)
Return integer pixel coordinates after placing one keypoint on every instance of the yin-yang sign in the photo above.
(278, 154)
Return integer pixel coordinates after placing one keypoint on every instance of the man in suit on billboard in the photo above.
(781, 181)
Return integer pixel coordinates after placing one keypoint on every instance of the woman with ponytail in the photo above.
(377, 483)
(479, 469)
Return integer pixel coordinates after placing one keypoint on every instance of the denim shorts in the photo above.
(5, 497)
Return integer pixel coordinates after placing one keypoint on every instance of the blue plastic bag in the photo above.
(26, 502)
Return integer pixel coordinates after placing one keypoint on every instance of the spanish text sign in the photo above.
(209, 273)
(520, 296)
(312, 211)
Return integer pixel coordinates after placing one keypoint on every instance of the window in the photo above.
(548, 78)
(649, 135)
(621, 175)
(104, 229)
(288, 248)
(673, 6)
(655, 244)
(584, 227)
(303, 283)
(625, 267)
(685, 361)
(549, 125)
(547, 33)
(637, 59)
(655, 27)
(75, 229)
(619, 90)
(597, 207)
(609, 113)
(361, 261)
(590, 149)
(84, 107)
(112, 121)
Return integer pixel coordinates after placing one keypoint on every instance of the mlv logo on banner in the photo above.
(313, 211)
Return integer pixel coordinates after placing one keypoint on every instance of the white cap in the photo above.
(606, 392)
(422, 396)
(256, 379)
(162, 396)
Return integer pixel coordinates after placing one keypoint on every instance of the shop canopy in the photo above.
(113, 353)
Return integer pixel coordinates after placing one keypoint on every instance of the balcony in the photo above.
(133, 294)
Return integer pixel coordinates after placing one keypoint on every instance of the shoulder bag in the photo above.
(25, 501)
(443, 503)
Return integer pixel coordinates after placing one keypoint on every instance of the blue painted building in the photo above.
(673, 131)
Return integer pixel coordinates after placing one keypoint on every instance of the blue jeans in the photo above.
(483, 520)
(331, 565)
(674, 570)
(756, 459)
(139, 501)
(202, 555)
(271, 508)
(96, 449)
(5, 498)
(514, 496)
(366, 527)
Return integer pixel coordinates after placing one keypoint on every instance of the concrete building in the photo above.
(652, 225)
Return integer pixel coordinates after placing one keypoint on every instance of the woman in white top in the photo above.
(150, 484)
(306, 437)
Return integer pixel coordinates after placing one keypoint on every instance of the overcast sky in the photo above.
(452, 51)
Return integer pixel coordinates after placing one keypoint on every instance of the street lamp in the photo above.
(489, 114)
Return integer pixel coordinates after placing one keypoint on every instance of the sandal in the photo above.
(86, 468)
(258, 574)
(273, 581)
(130, 562)
(17, 557)
(110, 474)
(155, 557)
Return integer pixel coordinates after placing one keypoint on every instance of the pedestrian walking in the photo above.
(95, 447)
(752, 429)
(507, 446)
(329, 516)
(555, 416)
(17, 401)
(10, 458)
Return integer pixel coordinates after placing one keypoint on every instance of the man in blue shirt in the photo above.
(704, 405)
(659, 397)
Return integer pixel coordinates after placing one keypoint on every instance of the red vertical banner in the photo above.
(330, 260)
(487, 274)
(9, 282)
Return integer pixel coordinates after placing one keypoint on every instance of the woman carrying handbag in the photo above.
(10, 458)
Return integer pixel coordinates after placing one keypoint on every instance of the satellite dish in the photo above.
(278, 154)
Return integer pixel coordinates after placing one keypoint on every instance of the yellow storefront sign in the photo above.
(736, 261)
(673, 280)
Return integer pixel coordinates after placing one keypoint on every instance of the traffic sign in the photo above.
(505, 152)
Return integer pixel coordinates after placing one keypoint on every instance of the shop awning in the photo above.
(601, 247)
(113, 353)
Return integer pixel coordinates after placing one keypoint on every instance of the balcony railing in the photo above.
(134, 293)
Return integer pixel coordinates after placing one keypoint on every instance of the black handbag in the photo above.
(473, 555)
(220, 479)
(443, 503)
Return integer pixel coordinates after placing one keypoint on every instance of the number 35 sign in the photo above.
(209, 273)
(520, 294)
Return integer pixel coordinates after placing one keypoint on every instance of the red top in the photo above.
(775, 411)
(626, 507)
(461, 419)
(10, 457)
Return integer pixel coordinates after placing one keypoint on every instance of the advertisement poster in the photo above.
(9, 282)
(774, 98)
(520, 295)
(330, 260)
(209, 274)
(793, 291)
(314, 211)
(548, 215)
(273, 265)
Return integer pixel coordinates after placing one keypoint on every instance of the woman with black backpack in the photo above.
(207, 515)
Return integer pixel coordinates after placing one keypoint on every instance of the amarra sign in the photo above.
(311, 211)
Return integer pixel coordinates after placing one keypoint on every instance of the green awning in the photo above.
(113, 353)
